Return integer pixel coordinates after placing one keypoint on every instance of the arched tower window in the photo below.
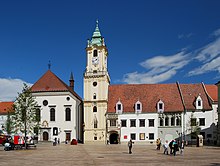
(94, 109)
(94, 96)
(95, 53)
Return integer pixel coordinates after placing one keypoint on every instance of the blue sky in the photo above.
(148, 41)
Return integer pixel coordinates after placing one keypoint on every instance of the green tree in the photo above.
(9, 122)
(25, 113)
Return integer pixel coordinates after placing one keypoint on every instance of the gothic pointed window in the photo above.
(167, 121)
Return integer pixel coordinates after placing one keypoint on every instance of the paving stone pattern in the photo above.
(70, 155)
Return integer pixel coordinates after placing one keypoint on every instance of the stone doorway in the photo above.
(113, 138)
(45, 136)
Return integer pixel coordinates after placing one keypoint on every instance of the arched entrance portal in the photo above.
(114, 138)
(45, 136)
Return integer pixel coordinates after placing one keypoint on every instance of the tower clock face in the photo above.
(95, 60)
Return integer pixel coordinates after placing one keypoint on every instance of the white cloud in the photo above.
(208, 52)
(160, 68)
(213, 65)
(9, 88)
(185, 36)
(209, 56)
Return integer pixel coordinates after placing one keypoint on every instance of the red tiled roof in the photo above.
(49, 82)
(190, 93)
(147, 94)
(212, 91)
(5, 107)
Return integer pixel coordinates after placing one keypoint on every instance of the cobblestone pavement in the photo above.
(69, 155)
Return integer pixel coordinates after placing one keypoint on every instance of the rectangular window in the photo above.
(193, 121)
(132, 123)
(95, 125)
(142, 122)
(133, 136)
(113, 122)
(138, 106)
(142, 136)
(95, 138)
(151, 136)
(123, 123)
(199, 103)
(201, 121)
(119, 107)
(160, 106)
(172, 121)
(151, 122)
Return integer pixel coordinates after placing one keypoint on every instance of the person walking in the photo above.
(171, 146)
(130, 146)
(165, 147)
(182, 147)
(175, 147)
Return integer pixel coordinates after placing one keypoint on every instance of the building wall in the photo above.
(58, 101)
(126, 131)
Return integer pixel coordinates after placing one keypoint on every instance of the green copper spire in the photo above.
(96, 37)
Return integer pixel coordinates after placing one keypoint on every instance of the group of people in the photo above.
(174, 146)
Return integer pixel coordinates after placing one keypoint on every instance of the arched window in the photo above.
(95, 53)
(94, 96)
(160, 106)
(68, 114)
(161, 121)
(52, 114)
(199, 103)
(94, 109)
(38, 115)
(55, 131)
(167, 121)
(178, 121)
(138, 107)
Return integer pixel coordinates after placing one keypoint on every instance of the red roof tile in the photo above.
(5, 107)
(49, 82)
(190, 93)
(147, 94)
(212, 91)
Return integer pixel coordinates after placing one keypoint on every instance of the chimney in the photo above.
(71, 81)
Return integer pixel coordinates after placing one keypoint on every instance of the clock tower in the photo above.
(96, 82)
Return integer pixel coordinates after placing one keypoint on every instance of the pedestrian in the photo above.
(171, 146)
(175, 147)
(182, 147)
(130, 146)
(165, 147)
(58, 141)
(158, 143)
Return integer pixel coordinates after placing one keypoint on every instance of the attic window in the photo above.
(138, 107)
(160, 106)
(119, 107)
(199, 103)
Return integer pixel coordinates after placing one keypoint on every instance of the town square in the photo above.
(104, 83)
(115, 155)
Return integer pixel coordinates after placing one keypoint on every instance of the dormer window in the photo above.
(138, 107)
(119, 107)
(160, 106)
(199, 104)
